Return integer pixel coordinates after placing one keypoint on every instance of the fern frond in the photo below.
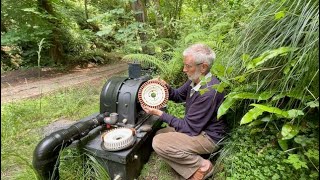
(192, 37)
(144, 58)
(162, 43)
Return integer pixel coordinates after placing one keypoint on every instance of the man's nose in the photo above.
(184, 69)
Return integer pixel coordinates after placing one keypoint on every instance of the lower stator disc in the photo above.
(118, 139)
(153, 94)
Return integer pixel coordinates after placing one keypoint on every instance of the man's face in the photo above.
(191, 69)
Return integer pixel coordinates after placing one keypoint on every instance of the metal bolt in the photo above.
(117, 177)
(135, 157)
(124, 121)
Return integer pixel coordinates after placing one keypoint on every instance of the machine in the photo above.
(119, 136)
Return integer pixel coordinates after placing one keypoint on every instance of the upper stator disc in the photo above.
(153, 94)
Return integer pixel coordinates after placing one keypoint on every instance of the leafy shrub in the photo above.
(253, 154)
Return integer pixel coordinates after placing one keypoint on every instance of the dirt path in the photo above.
(17, 86)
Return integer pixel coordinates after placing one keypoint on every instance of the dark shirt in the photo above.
(201, 111)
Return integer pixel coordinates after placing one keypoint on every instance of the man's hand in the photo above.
(161, 80)
(152, 111)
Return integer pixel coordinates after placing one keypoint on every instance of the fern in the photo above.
(147, 59)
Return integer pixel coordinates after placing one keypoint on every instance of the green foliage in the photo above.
(176, 109)
(76, 164)
(296, 162)
(22, 124)
(288, 131)
(169, 69)
(267, 55)
(255, 156)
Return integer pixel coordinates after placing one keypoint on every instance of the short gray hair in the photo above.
(201, 53)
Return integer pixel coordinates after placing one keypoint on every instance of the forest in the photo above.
(267, 63)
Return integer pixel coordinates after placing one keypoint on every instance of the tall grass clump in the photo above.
(77, 164)
(272, 82)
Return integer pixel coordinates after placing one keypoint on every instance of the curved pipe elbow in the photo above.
(46, 153)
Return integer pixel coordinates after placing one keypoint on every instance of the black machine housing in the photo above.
(120, 95)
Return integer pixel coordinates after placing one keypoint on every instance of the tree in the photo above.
(140, 13)
(56, 49)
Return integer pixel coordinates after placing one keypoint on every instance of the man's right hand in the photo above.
(160, 80)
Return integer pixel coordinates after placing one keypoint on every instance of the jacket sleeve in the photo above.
(200, 112)
(179, 95)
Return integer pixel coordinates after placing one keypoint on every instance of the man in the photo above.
(181, 144)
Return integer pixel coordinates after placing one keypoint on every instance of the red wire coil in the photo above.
(148, 83)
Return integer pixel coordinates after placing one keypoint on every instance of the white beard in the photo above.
(195, 76)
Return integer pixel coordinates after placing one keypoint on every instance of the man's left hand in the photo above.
(152, 111)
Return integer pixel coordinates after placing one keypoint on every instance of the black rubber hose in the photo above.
(46, 154)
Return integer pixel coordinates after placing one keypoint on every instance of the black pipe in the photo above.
(46, 154)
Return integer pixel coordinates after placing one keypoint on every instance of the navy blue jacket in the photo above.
(201, 111)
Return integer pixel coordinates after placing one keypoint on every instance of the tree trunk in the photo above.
(159, 22)
(179, 8)
(140, 14)
(3, 27)
(56, 49)
(86, 9)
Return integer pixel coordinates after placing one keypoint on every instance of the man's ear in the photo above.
(204, 68)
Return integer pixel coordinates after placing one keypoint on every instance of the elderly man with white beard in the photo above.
(184, 140)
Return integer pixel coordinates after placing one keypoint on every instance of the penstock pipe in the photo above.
(46, 154)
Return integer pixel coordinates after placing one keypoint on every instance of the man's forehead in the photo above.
(188, 60)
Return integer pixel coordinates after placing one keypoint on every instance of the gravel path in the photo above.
(23, 90)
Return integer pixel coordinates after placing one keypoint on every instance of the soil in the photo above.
(21, 84)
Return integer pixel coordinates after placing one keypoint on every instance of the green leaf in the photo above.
(294, 113)
(279, 15)
(256, 122)
(271, 109)
(283, 144)
(278, 96)
(202, 78)
(202, 91)
(224, 107)
(202, 83)
(286, 70)
(288, 131)
(33, 10)
(218, 69)
(313, 104)
(245, 95)
(105, 31)
(229, 70)
(251, 115)
(294, 160)
(245, 57)
(220, 87)
(240, 78)
(301, 139)
(267, 55)
(256, 130)
(312, 153)
(265, 95)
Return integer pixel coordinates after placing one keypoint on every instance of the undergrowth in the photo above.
(251, 153)
(22, 125)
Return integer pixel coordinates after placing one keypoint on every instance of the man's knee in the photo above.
(159, 143)
(165, 130)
